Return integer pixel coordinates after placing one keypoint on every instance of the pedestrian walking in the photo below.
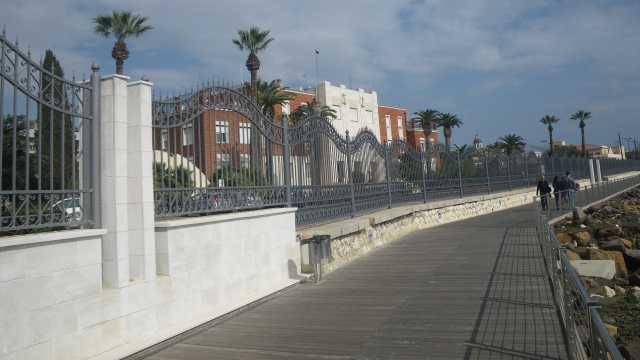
(543, 189)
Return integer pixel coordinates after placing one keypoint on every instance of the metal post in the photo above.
(509, 170)
(592, 177)
(598, 171)
(387, 152)
(349, 170)
(286, 159)
(486, 168)
(460, 174)
(96, 147)
(424, 176)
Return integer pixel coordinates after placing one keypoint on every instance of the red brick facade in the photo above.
(393, 123)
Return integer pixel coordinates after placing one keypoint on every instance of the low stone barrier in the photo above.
(355, 237)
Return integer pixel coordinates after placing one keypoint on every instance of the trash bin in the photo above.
(319, 254)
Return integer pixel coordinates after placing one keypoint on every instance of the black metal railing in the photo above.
(585, 332)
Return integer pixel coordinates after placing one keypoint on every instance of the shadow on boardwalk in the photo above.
(473, 289)
(518, 318)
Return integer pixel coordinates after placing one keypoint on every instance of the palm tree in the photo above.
(122, 25)
(549, 120)
(254, 40)
(306, 110)
(448, 121)
(511, 143)
(582, 116)
(427, 118)
(271, 94)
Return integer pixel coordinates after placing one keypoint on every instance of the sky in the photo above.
(500, 65)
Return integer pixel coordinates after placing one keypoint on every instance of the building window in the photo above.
(400, 128)
(223, 161)
(187, 135)
(222, 132)
(286, 109)
(353, 114)
(244, 161)
(245, 133)
(369, 116)
(387, 124)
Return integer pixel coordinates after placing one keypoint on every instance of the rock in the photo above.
(572, 255)
(634, 279)
(596, 296)
(605, 269)
(564, 237)
(621, 265)
(636, 291)
(589, 283)
(631, 351)
(619, 290)
(632, 257)
(613, 245)
(578, 215)
(606, 291)
(612, 329)
(597, 254)
(609, 230)
(627, 243)
(582, 252)
(582, 237)
(583, 226)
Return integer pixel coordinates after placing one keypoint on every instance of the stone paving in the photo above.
(474, 289)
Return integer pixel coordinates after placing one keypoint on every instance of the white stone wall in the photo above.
(43, 278)
(355, 109)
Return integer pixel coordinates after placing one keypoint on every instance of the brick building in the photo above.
(393, 123)
(416, 137)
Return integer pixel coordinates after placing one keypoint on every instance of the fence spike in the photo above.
(4, 30)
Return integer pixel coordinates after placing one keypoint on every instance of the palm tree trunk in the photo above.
(120, 53)
(550, 142)
(584, 151)
(447, 138)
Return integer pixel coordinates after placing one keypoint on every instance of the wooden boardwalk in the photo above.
(474, 289)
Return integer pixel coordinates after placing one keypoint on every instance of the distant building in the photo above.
(416, 137)
(392, 123)
(477, 143)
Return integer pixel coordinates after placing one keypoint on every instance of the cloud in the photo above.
(412, 52)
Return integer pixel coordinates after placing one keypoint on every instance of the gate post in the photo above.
(142, 241)
(459, 174)
(349, 170)
(91, 163)
(387, 153)
(424, 177)
(286, 159)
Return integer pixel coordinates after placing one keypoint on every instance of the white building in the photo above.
(355, 109)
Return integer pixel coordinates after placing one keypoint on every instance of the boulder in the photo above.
(597, 254)
(621, 265)
(635, 291)
(634, 279)
(612, 329)
(572, 255)
(619, 290)
(583, 238)
(582, 252)
(578, 215)
(613, 245)
(627, 243)
(608, 230)
(564, 238)
(605, 269)
(631, 350)
(633, 259)
(606, 291)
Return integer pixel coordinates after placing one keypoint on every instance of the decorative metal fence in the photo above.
(46, 143)
(217, 151)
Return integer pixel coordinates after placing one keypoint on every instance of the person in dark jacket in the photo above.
(556, 190)
(543, 190)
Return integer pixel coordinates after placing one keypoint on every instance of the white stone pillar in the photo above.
(591, 173)
(142, 245)
(114, 195)
(598, 170)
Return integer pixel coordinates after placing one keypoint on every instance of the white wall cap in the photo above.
(116, 76)
(50, 236)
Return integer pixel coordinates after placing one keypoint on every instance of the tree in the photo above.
(427, 118)
(306, 110)
(58, 144)
(582, 116)
(549, 120)
(271, 94)
(254, 40)
(448, 121)
(172, 176)
(512, 143)
(25, 139)
(122, 25)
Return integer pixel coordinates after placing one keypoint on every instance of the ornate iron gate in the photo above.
(48, 138)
